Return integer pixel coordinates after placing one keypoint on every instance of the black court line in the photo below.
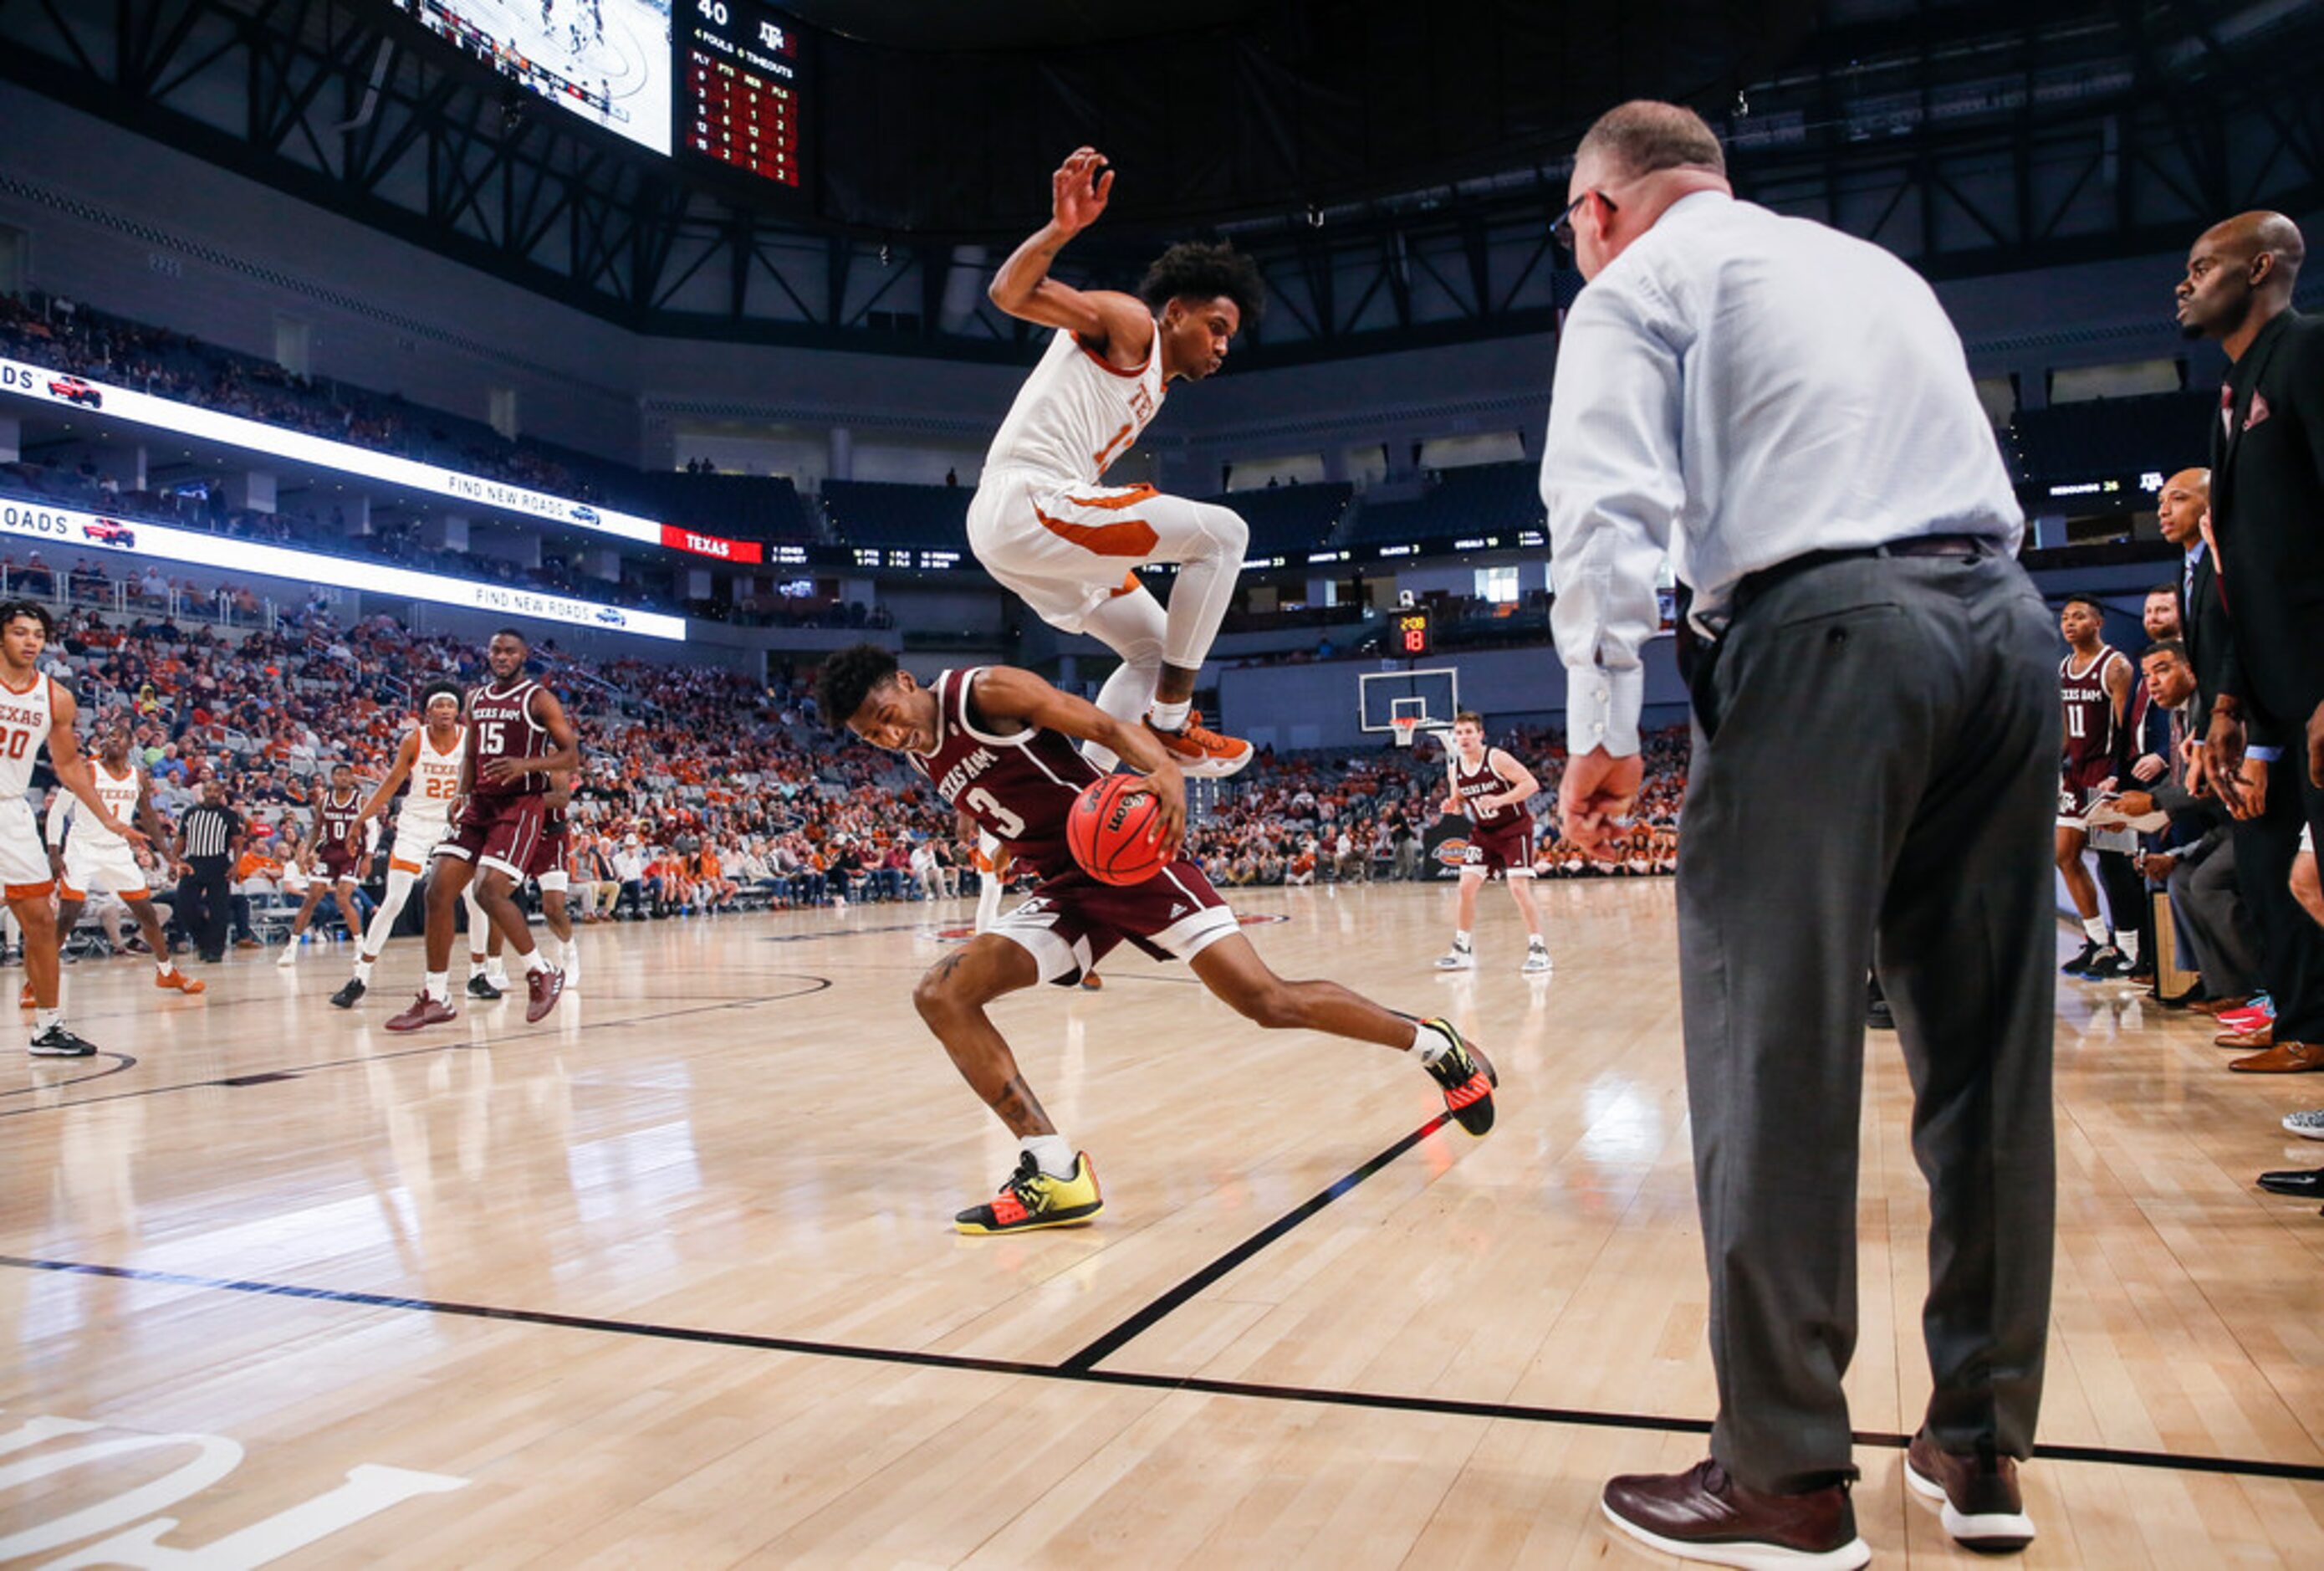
(536, 1034)
(1382, 1401)
(1138, 1324)
(125, 1062)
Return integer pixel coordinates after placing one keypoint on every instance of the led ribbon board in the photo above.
(68, 527)
(209, 425)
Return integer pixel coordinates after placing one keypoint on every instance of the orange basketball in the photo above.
(1112, 829)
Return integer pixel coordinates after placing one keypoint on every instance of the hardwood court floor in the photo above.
(668, 1279)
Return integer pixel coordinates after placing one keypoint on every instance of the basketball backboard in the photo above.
(1432, 696)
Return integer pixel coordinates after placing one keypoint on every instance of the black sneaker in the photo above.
(480, 988)
(56, 1042)
(2110, 965)
(350, 995)
(1878, 1016)
(2080, 965)
(1467, 1076)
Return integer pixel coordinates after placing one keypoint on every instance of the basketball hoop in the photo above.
(1405, 727)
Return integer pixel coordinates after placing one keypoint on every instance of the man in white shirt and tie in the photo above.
(1786, 413)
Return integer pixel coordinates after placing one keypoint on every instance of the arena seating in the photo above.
(1487, 499)
(871, 513)
(1290, 521)
(2068, 443)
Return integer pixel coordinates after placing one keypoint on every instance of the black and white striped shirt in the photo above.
(209, 831)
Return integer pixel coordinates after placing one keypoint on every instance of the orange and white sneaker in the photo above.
(1202, 753)
(176, 981)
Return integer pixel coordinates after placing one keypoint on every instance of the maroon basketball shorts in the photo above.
(1507, 850)
(340, 863)
(1071, 921)
(2078, 790)
(548, 864)
(502, 833)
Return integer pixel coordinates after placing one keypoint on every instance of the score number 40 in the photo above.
(770, 33)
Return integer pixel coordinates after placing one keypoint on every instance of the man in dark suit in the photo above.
(2267, 536)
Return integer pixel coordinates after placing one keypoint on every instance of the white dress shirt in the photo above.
(1737, 389)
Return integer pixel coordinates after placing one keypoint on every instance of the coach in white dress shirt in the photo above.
(1787, 413)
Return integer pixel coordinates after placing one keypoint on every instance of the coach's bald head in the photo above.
(2240, 272)
(2180, 506)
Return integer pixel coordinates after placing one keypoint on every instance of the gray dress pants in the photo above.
(2207, 902)
(1876, 751)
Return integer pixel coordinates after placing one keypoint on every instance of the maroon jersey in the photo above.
(501, 726)
(334, 820)
(1017, 786)
(2089, 715)
(1485, 782)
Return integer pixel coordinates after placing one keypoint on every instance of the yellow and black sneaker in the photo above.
(1033, 1199)
(1467, 1076)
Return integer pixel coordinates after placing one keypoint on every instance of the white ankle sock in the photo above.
(440, 986)
(2096, 928)
(536, 963)
(1429, 1042)
(1461, 940)
(2128, 944)
(1170, 716)
(1055, 1153)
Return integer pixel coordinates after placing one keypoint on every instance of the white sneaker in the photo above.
(1537, 960)
(1457, 959)
(289, 956)
(572, 966)
(2306, 1125)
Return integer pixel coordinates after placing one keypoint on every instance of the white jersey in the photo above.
(435, 783)
(1077, 412)
(119, 794)
(24, 721)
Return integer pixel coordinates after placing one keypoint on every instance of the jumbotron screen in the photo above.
(605, 60)
(719, 81)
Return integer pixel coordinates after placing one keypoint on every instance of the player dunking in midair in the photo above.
(34, 711)
(997, 744)
(90, 858)
(1492, 789)
(337, 844)
(1043, 524)
(505, 776)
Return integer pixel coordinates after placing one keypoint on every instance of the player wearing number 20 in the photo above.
(997, 744)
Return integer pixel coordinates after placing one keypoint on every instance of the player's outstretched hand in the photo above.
(1598, 788)
(1078, 191)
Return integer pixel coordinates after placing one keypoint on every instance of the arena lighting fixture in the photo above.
(186, 419)
(69, 529)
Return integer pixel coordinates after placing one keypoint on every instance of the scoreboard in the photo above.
(1410, 632)
(740, 69)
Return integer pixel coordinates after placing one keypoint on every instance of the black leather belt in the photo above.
(1751, 586)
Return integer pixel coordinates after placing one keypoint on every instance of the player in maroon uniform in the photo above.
(2094, 683)
(518, 737)
(998, 744)
(1492, 789)
(337, 845)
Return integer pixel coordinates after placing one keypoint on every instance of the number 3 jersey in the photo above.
(1017, 787)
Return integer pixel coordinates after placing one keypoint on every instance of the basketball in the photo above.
(1112, 828)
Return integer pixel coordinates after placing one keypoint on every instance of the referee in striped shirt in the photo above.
(208, 841)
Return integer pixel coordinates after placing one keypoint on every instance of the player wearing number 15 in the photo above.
(34, 710)
(502, 787)
(997, 744)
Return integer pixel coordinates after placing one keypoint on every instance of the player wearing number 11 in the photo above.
(502, 817)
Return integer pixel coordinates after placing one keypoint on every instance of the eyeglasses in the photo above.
(1562, 231)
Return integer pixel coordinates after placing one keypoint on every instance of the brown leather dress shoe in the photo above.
(2283, 1059)
(2247, 1040)
(1701, 1515)
(1983, 1508)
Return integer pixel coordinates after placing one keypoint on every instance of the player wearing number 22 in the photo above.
(997, 744)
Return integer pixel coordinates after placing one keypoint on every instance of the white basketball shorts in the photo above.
(1066, 549)
(101, 862)
(24, 856)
